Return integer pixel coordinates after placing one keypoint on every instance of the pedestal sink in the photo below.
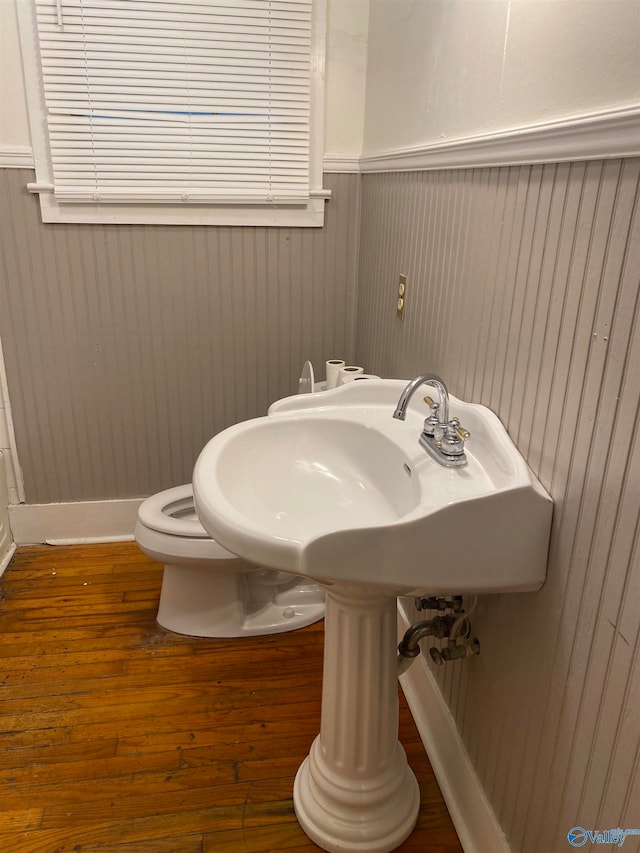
(331, 486)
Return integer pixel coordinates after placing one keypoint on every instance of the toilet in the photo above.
(209, 592)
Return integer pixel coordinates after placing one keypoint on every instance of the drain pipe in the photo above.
(409, 648)
(456, 627)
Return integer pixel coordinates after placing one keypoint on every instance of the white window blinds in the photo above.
(178, 101)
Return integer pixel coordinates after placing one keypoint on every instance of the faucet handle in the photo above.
(452, 444)
(432, 423)
(455, 432)
(454, 438)
(463, 433)
(451, 432)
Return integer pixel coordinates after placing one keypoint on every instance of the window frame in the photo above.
(173, 213)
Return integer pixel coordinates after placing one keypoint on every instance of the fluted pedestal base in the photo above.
(355, 790)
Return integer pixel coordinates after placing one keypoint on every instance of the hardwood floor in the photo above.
(120, 737)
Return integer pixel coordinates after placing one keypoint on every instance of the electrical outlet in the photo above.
(402, 296)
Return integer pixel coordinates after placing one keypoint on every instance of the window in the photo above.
(183, 111)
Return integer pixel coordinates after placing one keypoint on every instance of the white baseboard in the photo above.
(474, 819)
(81, 522)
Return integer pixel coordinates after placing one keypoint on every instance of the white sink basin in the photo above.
(331, 486)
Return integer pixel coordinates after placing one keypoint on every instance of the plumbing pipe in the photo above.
(462, 618)
(409, 647)
(455, 651)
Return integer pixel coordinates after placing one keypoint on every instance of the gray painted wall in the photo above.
(127, 347)
(523, 291)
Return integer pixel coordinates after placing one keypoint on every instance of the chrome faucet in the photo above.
(442, 438)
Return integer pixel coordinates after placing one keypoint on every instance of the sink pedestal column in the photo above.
(355, 790)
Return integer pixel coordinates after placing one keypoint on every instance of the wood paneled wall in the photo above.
(128, 347)
(523, 291)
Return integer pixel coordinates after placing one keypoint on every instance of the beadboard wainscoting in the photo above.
(522, 293)
(128, 347)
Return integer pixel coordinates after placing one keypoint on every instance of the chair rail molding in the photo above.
(594, 136)
(21, 157)
(16, 157)
(599, 135)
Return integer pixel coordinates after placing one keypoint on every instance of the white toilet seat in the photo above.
(168, 531)
(172, 511)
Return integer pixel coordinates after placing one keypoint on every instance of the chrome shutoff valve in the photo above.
(455, 651)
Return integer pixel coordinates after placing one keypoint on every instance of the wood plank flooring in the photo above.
(120, 737)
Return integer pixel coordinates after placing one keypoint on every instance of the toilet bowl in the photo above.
(209, 592)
